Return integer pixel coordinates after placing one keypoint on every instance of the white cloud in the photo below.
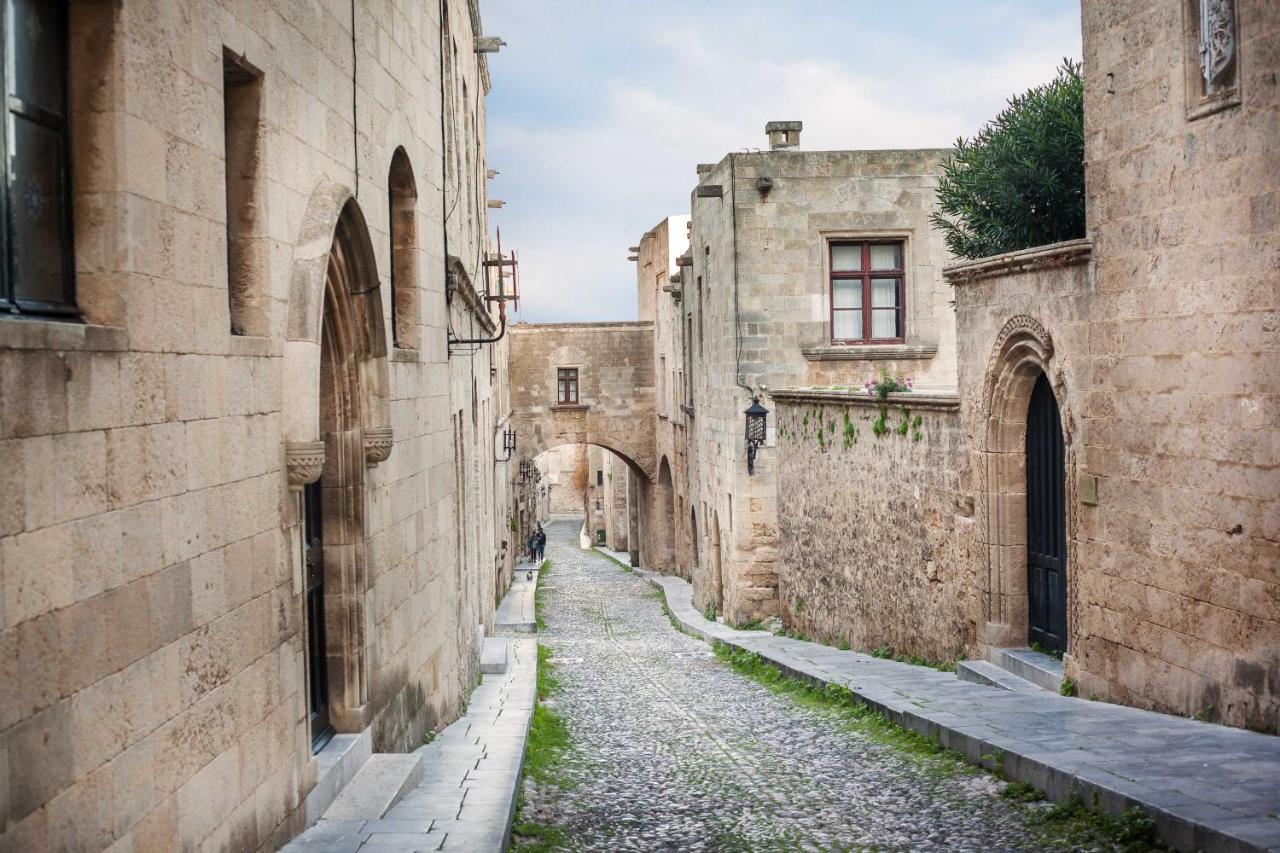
(614, 150)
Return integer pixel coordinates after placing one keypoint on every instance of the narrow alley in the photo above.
(671, 749)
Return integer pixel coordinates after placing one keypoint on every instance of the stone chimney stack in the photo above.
(783, 134)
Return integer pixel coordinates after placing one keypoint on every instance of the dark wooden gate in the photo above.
(317, 660)
(1046, 521)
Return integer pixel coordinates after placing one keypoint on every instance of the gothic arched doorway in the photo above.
(1046, 521)
(334, 518)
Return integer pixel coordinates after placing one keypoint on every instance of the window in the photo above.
(246, 255)
(37, 273)
(867, 291)
(402, 199)
(599, 477)
(567, 386)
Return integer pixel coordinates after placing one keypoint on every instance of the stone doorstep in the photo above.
(1185, 822)
(1042, 670)
(493, 656)
(380, 784)
(336, 765)
(987, 673)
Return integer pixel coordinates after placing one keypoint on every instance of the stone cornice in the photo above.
(874, 352)
(943, 400)
(1065, 254)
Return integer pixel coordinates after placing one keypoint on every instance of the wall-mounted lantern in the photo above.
(524, 471)
(508, 444)
(757, 429)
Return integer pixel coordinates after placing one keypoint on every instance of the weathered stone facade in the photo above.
(756, 306)
(154, 627)
(873, 528)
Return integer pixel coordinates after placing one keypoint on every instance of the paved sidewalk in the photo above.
(516, 611)
(1208, 787)
(466, 796)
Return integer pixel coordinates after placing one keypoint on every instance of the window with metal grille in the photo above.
(36, 276)
(868, 291)
(567, 386)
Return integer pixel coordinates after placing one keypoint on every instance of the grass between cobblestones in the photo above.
(547, 744)
(537, 603)
(1066, 826)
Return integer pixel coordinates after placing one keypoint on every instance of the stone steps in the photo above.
(381, 783)
(987, 673)
(1040, 669)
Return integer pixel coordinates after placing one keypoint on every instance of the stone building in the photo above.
(805, 268)
(1153, 343)
(251, 385)
(1104, 484)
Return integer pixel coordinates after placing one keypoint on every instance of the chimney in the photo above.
(783, 134)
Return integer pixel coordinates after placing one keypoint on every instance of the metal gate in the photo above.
(1046, 521)
(317, 660)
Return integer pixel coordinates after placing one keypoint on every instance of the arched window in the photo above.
(402, 198)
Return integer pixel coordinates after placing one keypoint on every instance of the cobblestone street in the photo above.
(674, 750)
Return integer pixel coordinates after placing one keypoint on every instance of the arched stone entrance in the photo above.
(337, 342)
(1021, 362)
(693, 540)
(717, 564)
(661, 538)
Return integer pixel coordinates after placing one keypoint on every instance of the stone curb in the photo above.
(1184, 821)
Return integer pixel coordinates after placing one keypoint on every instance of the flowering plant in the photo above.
(886, 384)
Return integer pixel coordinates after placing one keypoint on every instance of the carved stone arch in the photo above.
(332, 219)
(336, 385)
(1022, 351)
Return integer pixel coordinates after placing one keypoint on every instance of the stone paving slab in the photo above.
(466, 794)
(516, 611)
(1208, 787)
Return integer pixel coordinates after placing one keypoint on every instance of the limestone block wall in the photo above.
(1181, 429)
(757, 294)
(875, 538)
(153, 629)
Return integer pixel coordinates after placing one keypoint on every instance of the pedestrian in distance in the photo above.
(541, 537)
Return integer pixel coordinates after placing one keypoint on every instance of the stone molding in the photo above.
(377, 445)
(942, 400)
(304, 462)
(570, 407)
(875, 352)
(1065, 254)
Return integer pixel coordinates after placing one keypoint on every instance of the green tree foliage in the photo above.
(1020, 182)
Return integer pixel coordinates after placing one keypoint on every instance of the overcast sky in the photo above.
(601, 109)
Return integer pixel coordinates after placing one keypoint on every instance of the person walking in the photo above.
(541, 539)
(533, 546)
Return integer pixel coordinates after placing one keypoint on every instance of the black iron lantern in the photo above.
(757, 429)
(508, 445)
(524, 470)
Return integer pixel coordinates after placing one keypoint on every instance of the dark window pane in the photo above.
(36, 221)
(35, 53)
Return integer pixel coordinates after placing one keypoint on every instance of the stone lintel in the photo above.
(1065, 254)
(874, 352)
(943, 400)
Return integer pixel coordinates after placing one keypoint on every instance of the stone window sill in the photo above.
(21, 333)
(1214, 104)
(870, 352)
(570, 407)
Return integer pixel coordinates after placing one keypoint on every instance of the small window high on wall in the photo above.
(567, 386)
(246, 251)
(402, 192)
(37, 274)
(868, 292)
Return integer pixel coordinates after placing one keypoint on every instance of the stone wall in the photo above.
(1181, 611)
(153, 631)
(874, 531)
(757, 296)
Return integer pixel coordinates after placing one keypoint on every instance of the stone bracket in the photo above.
(304, 462)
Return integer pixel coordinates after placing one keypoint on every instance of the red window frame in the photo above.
(566, 386)
(865, 275)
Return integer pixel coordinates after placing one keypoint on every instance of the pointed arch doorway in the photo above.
(1046, 521)
(352, 414)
